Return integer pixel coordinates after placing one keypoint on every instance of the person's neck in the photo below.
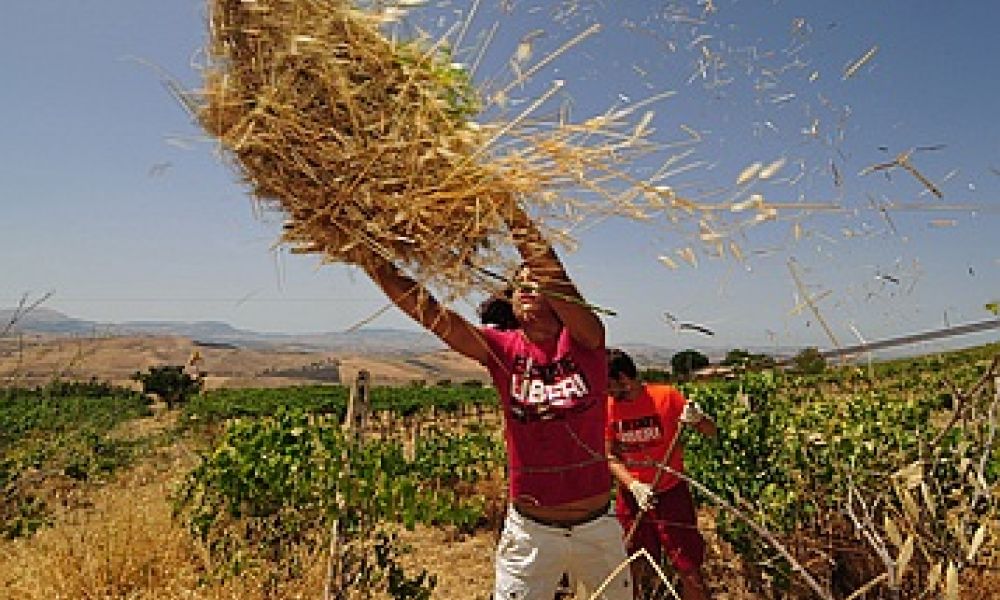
(541, 331)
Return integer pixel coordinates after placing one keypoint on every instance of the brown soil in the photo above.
(38, 359)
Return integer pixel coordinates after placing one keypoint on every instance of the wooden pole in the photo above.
(358, 407)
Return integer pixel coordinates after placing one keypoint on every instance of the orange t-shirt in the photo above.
(641, 429)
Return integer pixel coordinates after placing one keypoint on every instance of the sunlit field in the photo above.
(819, 486)
(322, 231)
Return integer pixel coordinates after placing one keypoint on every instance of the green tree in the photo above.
(737, 357)
(809, 361)
(744, 359)
(655, 375)
(170, 383)
(688, 361)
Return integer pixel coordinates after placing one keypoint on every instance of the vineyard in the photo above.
(873, 482)
(58, 432)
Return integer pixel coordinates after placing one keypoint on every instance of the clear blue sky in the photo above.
(115, 201)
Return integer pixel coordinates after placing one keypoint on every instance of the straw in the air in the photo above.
(369, 145)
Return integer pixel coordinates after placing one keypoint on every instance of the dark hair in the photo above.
(620, 363)
(498, 311)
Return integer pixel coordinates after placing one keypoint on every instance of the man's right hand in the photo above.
(643, 494)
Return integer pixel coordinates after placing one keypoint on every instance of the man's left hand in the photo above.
(692, 414)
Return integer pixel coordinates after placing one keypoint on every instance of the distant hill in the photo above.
(363, 341)
(386, 342)
(45, 320)
(366, 341)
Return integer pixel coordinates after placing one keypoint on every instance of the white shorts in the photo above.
(531, 558)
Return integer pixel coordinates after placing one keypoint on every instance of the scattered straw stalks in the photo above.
(369, 145)
(121, 541)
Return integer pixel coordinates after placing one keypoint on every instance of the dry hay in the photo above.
(368, 144)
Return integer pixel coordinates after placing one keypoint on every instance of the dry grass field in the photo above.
(38, 359)
(116, 537)
(119, 540)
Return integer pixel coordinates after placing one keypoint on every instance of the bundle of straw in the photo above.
(365, 143)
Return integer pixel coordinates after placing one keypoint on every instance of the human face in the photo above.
(624, 387)
(529, 303)
(619, 388)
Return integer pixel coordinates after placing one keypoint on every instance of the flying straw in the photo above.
(853, 67)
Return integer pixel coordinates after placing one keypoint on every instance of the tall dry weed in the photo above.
(126, 545)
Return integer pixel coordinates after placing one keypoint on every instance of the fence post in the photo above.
(358, 406)
(355, 422)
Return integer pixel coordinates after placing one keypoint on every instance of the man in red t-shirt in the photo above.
(644, 422)
(547, 360)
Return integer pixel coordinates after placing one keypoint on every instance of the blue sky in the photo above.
(115, 201)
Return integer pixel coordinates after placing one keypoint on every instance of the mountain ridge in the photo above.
(369, 340)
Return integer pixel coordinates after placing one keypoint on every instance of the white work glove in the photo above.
(643, 494)
(692, 414)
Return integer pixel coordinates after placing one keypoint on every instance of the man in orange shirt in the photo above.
(644, 422)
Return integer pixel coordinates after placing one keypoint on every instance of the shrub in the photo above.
(170, 383)
(688, 361)
(809, 362)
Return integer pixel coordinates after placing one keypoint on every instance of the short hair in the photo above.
(498, 311)
(620, 363)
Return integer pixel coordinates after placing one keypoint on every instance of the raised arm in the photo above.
(412, 299)
(576, 315)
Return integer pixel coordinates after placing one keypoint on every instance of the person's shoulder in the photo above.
(498, 333)
(500, 339)
(664, 393)
(660, 389)
(567, 339)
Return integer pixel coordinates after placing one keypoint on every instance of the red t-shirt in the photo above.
(554, 399)
(641, 429)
